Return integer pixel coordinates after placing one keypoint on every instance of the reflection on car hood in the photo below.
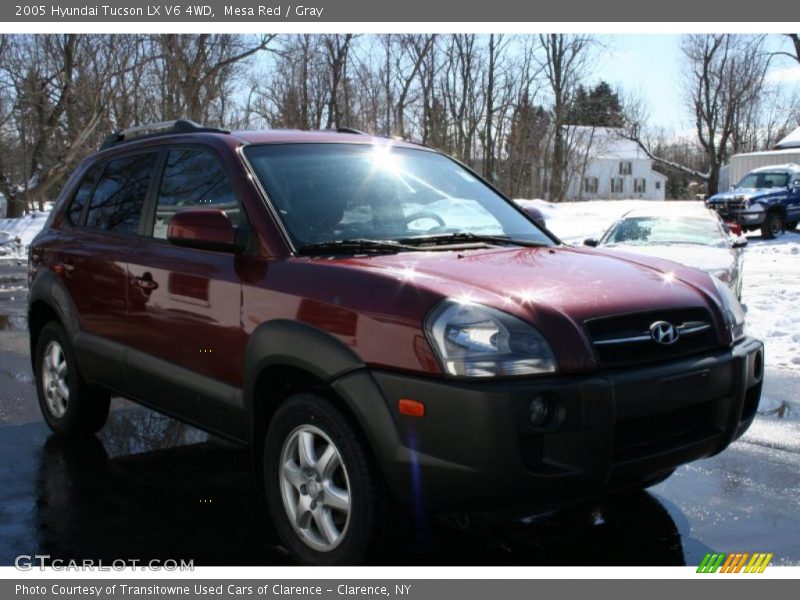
(707, 258)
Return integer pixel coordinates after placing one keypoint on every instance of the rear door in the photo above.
(186, 339)
(106, 213)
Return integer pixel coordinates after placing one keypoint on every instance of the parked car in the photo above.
(684, 232)
(376, 322)
(767, 198)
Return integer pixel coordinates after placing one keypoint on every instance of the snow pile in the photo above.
(771, 293)
(17, 234)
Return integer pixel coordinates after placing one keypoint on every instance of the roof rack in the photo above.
(350, 130)
(156, 129)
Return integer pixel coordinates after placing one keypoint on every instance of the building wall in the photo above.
(606, 170)
(742, 164)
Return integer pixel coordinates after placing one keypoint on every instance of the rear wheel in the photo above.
(774, 226)
(69, 406)
(656, 479)
(324, 493)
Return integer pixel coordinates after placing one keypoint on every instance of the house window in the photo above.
(625, 167)
(590, 185)
(639, 185)
(658, 185)
(616, 185)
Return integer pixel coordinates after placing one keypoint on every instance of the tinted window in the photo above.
(192, 179)
(326, 192)
(82, 195)
(119, 196)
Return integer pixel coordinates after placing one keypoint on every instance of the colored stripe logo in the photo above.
(735, 562)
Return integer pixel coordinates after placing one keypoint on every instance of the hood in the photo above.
(707, 258)
(556, 289)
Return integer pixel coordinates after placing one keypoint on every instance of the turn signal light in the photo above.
(411, 408)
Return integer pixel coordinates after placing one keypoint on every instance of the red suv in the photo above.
(376, 322)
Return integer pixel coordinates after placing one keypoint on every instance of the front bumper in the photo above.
(475, 447)
(741, 217)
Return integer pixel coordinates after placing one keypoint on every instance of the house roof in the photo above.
(790, 141)
(604, 142)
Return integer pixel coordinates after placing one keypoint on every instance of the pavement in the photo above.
(151, 487)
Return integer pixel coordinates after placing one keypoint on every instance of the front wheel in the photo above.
(324, 493)
(774, 226)
(69, 406)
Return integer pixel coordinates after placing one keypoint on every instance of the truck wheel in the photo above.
(774, 226)
(69, 406)
(324, 494)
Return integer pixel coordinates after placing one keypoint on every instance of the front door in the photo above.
(186, 337)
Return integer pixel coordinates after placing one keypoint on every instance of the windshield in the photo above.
(764, 180)
(643, 231)
(330, 192)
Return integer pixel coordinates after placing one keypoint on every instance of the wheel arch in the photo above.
(287, 357)
(49, 300)
(284, 357)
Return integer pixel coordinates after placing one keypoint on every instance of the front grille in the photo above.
(625, 339)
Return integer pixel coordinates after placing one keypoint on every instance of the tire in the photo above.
(346, 500)
(656, 479)
(69, 406)
(774, 226)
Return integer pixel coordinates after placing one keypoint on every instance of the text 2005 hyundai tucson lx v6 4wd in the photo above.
(376, 322)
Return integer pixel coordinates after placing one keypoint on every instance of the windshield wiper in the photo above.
(354, 245)
(455, 238)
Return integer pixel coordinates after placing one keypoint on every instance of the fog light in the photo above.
(539, 411)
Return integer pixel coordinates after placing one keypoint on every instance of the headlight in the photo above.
(473, 340)
(734, 313)
(752, 208)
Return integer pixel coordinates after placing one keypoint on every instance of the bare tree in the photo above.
(58, 89)
(724, 84)
(563, 64)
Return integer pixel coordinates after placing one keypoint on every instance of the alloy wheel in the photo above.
(55, 383)
(315, 488)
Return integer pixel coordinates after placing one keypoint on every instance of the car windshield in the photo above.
(764, 180)
(331, 192)
(646, 231)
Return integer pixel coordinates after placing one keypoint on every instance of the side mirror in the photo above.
(591, 242)
(796, 186)
(205, 229)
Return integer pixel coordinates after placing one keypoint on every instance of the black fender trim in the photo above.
(295, 344)
(50, 290)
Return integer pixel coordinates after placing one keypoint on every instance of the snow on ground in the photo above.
(16, 234)
(771, 289)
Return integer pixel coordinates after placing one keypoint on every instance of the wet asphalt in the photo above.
(148, 487)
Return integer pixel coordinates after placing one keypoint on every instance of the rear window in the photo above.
(120, 194)
(82, 195)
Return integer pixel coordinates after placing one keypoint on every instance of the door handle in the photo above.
(145, 282)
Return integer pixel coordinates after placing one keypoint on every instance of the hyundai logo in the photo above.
(664, 333)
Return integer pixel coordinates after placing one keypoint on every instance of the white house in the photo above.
(604, 165)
